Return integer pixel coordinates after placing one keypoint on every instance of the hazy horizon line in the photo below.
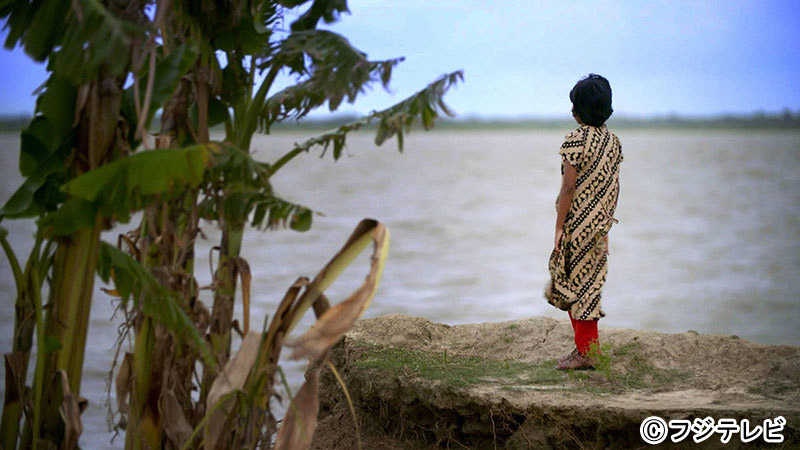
(783, 119)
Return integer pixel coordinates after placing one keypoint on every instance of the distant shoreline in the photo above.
(756, 121)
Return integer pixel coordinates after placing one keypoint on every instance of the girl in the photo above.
(590, 160)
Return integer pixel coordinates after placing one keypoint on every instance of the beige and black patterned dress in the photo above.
(578, 271)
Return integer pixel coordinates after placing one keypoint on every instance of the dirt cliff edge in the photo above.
(418, 384)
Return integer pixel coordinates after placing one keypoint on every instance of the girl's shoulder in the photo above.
(576, 137)
(603, 130)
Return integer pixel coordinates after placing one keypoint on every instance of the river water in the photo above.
(708, 237)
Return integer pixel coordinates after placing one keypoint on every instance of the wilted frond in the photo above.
(132, 280)
(339, 318)
(252, 369)
(337, 71)
(397, 119)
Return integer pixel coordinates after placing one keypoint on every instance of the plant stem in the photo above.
(224, 298)
(12, 404)
(61, 334)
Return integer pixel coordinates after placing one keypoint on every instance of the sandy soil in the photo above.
(675, 376)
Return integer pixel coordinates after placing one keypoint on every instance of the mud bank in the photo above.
(416, 384)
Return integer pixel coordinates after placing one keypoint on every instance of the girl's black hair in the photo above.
(591, 100)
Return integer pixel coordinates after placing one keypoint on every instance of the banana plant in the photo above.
(329, 70)
(88, 162)
(74, 131)
(238, 403)
(80, 132)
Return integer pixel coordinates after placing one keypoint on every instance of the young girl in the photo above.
(590, 160)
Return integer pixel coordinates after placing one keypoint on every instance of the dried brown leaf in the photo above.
(300, 421)
(232, 377)
(340, 318)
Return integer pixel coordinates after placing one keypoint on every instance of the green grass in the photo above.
(618, 369)
(459, 371)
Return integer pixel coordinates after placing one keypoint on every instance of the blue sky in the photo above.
(521, 58)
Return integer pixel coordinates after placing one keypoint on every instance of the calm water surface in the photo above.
(708, 238)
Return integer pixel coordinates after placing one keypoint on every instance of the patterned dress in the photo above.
(578, 271)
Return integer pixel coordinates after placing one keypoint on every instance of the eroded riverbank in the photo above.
(419, 384)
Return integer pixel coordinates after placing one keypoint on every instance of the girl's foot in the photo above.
(577, 362)
(570, 356)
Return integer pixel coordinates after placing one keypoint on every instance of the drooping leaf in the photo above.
(392, 121)
(301, 418)
(270, 347)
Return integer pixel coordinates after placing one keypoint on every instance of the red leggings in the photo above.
(585, 333)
